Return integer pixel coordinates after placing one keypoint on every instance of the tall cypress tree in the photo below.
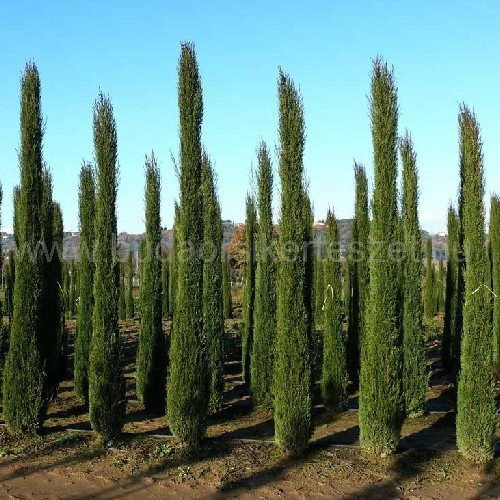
(292, 367)
(249, 290)
(106, 380)
(129, 297)
(476, 393)
(429, 287)
(86, 213)
(451, 334)
(226, 286)
(24, 380)
(360, 273)
(151, 354)
(213, 303)
(188, 382)
(334, 374)
(495, 264)
(415, 359)
(265, 287)
(3, 330)
(381, 402)
(60, 333)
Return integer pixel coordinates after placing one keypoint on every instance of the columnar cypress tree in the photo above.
(249, 290)
(360, 273)
(60, 334)
(213, 304)
(226, 286)
(334, 375)
(164, 285)
(188, 383)
(495, 264)
(429, 287)
(451, 335)
(173, 262)
(476, 393)
(151, 355)
(381, 402)
(3, 330)
(265, 287)
(415, 359)
(24, 382)
(292, 367)
(319, 290)
(86, 214)
(129, 297)
(106, 380)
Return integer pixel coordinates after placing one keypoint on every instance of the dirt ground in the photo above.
(239, 459)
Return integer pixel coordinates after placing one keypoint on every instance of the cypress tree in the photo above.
(164, 285)
(226, 286)
(381, 402)
(451, 334)
(360, 273)
(60, 334)
(429, 287)
(213, 306)
(440, 281)
(334, 374)
(188, 382)
(129, 297)
(414, 358)
(249, 290)
(151, 355)
(10, 274)
(319, 291)
(24, 382)
(495, 264)
(3, 330)
(292, 367)
(106, 380)
(476, 392)
(86, 213)
(265, 287)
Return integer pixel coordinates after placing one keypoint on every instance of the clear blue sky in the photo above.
(443, 53)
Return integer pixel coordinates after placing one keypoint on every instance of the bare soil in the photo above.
(239, 459)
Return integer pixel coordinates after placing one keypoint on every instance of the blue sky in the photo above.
(443, 53)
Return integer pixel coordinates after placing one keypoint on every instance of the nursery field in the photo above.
(238, 458)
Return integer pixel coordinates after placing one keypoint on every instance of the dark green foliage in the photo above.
(24, 381)
(359, 276)
(16, 197)
(292, 367)
(226, 286)
(106, 380)
(415, 379)
(10, 276)
(381, 401)
(476, 392)
(3, 329)
(129, 297)
(86, 214)
(451, 333)
(188, 380)
(165, 285)
(265, 288)
(319, 291)
(347, 286)
(429, 287)
(213, 306)
(60, 334)
(152, 353)
(249, 290)
(440, 285)
(334, 375)
(495, 265)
